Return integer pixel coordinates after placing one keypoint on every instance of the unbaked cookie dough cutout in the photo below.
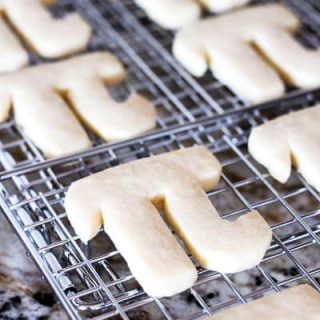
(251, 50)
(126, 199)
(297, 303)
(174, 14)
(292, 139)
(49, 37)
(39, 97)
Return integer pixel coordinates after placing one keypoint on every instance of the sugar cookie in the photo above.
(223, 5)
(290, 139)
(49, 37)
(125, 198)
(174, 14)
(12, 54)
(171, 14)
(226, 43)
(37, 93)
(297, 303)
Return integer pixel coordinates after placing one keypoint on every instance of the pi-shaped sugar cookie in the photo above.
(174, 14)
(297, 303)
(39, 96)
(48, 36)
(247, 50)
(125, 198)
(290, 139)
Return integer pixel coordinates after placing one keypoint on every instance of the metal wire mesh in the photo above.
(175, 102)
(94, 281)
(126, 16)
(144, 48)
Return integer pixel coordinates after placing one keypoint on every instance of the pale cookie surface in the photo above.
(48, 36)
(228, 44)
(37, 95)
(290, 139)
(171, 14)
(223, 5)
(126, 199)
(174, 14)
(12, 54)
(297, 303)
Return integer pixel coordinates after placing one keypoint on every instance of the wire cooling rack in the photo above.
(144, 48)
(94, 281)
(139, 29)
(175, 101)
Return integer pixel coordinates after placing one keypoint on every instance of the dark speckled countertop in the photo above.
(24, 295)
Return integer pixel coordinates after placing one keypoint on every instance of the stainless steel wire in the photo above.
(93, 281)
(96, 283)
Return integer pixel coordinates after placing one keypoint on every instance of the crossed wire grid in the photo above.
(143, 34)
(94, 281)
(151, 70)
(173, 97)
